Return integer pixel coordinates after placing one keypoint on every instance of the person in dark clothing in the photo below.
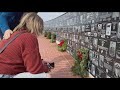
(8, 21)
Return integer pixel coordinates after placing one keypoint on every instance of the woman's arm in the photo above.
(31, 56)
(3, 24)
(9, 17)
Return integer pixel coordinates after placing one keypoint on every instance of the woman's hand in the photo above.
(48, 64)
(7, 34)
(44, 62)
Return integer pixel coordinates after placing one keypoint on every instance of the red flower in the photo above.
(78, 52)
(61, 43)
(79, 55)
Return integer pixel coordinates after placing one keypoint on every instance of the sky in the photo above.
(49, 15)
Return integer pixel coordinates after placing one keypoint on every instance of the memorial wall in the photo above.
(97, 31)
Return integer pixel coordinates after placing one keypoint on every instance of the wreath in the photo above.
(53, 38)
(48, 35)
(62, 46)
(81, 62)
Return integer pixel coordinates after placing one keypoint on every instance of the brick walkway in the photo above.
(63, 60)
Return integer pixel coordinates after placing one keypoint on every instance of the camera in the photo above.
(51, 65)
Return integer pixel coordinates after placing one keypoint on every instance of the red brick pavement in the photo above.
(63, 60)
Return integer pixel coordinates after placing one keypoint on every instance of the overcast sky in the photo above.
(49, 15)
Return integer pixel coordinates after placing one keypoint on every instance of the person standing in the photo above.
(8, 21)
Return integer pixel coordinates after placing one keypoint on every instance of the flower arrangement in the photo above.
(81, 63)
(62, 46)
(48, 35)
(53, 38)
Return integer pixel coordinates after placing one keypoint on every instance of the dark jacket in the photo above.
(9, 20)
